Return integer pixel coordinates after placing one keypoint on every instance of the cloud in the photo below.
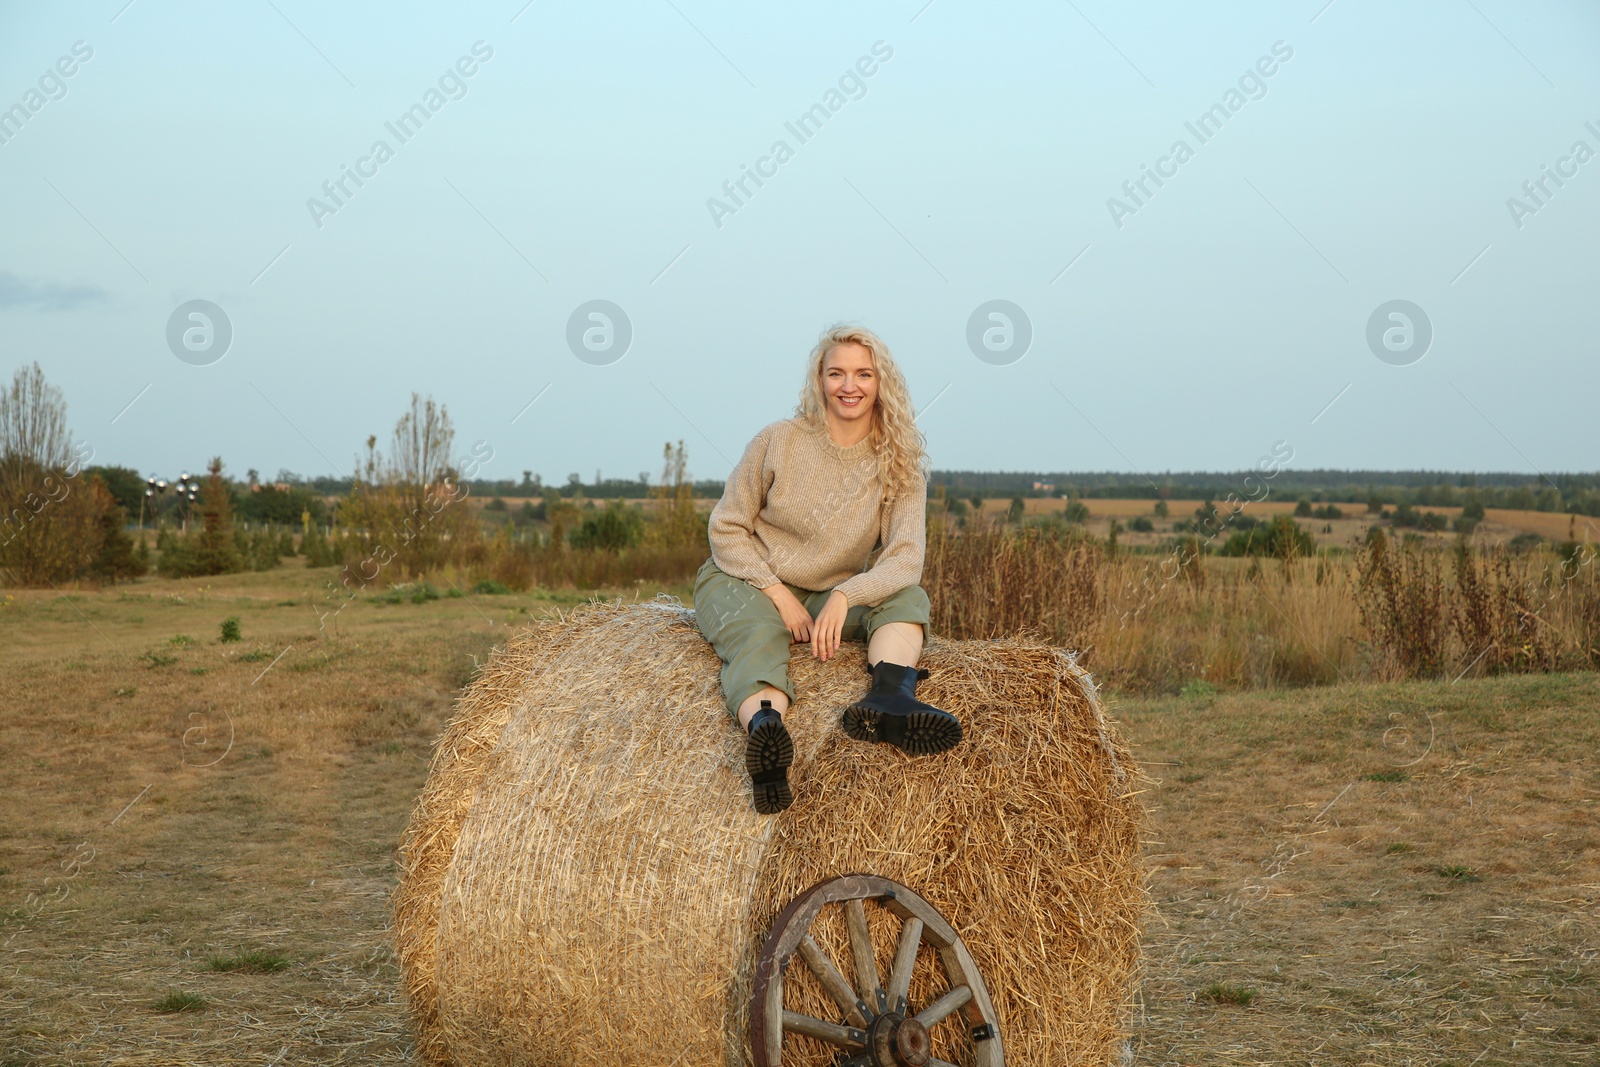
(16, 292)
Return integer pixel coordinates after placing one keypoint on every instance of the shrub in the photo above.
(1496, 619)
(230, 629)
(1302, 508)
(1280, 538)
(1076, 511)
(316, 549)
(613, 529)
(1141, 524)
(1400, 595)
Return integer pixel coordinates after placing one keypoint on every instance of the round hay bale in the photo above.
(584, 880)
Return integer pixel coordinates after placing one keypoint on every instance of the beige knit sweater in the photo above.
(800, 509)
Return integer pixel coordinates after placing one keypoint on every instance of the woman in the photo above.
(811, 498)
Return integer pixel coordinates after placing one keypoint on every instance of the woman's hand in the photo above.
(826, 631)
(794, 614)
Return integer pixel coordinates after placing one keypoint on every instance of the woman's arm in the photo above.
(732, 528)
(900, 563)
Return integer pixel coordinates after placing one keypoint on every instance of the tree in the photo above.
(51, 523)
(619, 526)
(33, 421)
(116, 558)
(125, 484)
(677, 523)
(282, 506)
(1015, 512)
(212, 548)
(403, 504)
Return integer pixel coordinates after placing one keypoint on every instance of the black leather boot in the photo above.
(891, 712)
(767, 755)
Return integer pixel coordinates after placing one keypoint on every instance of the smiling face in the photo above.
(850, 387)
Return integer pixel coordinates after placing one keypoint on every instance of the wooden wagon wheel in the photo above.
(880, 1028)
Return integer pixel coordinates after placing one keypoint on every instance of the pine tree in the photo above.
(214, 551)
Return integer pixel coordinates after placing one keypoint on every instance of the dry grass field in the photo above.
(199, 840)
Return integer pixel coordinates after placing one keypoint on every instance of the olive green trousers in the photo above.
(744, 626)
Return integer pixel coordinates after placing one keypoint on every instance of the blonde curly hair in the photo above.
(899, 445)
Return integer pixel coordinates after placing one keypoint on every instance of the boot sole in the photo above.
(920, 733)
(768, 753)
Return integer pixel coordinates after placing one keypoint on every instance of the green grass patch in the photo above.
(1396, 847)
(181, 641)
(175, 1002)
(1222, 993)
(254, 961)
(490, 587)
(256, 656)
(1458, 873)
(157, 659)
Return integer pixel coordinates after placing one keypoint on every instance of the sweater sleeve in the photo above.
(732, 527)
(900, 563)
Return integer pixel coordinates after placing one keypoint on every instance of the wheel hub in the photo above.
(896, 1041)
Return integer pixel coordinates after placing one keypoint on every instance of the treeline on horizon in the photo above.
(1577, 493)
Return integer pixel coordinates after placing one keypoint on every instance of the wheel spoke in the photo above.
(854, 1009)
(875, 987)
(905, 957)
(867, 981)
(941, 1008)
(832, 1033)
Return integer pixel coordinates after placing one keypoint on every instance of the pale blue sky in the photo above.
(1224, 316)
